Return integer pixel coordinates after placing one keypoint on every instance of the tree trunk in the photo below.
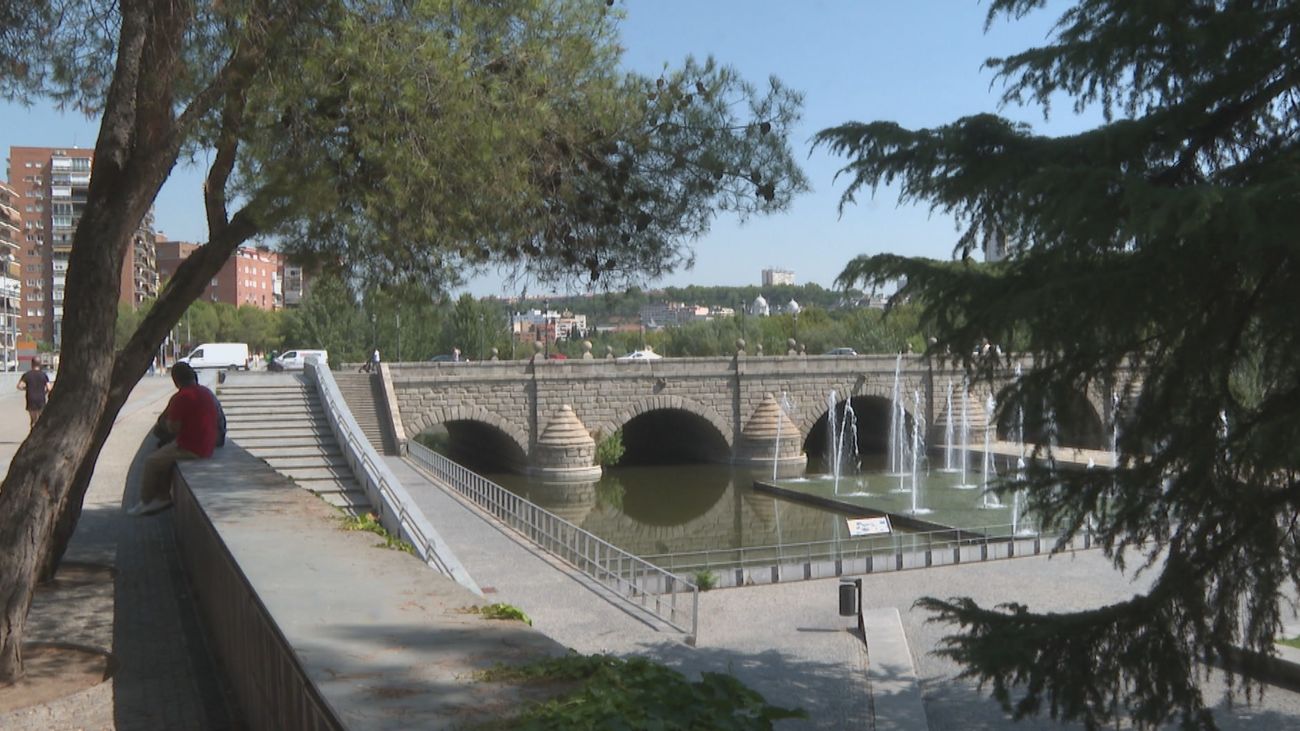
(131, 365)
(133, 156)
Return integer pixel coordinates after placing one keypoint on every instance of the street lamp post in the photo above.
(546, 329)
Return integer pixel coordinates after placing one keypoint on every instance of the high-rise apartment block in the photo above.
(777, 277)
(51, 186)
(11, 271)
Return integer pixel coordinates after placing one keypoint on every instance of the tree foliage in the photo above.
(396, 140)
(1160, 244)
(509, 138)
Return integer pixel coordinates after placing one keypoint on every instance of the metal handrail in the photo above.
(636, 581)
(397, 511)
(856, 548)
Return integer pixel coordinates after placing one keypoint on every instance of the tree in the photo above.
(475, 327)
(329, 318)
(259, 328)
(1161, 243)
(393, 140)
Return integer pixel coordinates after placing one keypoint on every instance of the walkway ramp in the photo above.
(278, 417)
(363, 394)
(797, 653)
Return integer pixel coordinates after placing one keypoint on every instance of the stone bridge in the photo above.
(544, 416)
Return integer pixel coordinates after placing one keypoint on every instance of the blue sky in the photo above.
(917, 62)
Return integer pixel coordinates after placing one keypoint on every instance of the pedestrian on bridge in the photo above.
(370, 365)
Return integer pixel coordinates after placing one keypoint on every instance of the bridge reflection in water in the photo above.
(697, 516)
(654, 511)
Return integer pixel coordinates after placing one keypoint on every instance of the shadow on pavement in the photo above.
(167, 678)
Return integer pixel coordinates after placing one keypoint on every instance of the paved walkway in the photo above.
(796, 652)
(787, 640)
(164, 676)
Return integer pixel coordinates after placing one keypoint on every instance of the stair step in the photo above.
(235, 431)
(252, 442)
(320, 472)
(280, 418)
(308, 461)
(275, 451)
(270, 406)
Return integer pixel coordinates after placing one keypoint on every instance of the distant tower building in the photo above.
(51, 186)
(777, 277)
(11, 272)
(293, 284)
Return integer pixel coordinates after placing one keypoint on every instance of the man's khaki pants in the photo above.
(156, 479)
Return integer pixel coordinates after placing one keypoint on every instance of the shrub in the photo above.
(609, 449)
(705, 579)
(637, 693)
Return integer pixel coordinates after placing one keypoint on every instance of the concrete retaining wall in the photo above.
(318, 628)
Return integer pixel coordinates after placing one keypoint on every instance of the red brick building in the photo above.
(50, 184)
(251, 277)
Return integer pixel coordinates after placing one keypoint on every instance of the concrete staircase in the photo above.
(362, 392)
(278, 417)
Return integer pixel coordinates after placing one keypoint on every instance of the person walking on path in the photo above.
(191, 415)
(37, 385)
(371, 365)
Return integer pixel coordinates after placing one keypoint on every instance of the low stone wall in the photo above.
(316, 627)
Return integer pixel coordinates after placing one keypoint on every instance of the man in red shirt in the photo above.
(191, 416)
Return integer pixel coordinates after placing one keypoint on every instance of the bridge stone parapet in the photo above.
(721, 394)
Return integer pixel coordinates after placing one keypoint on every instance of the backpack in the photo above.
(221, 419)
(221, 425)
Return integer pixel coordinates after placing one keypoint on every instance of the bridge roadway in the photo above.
(724, 405)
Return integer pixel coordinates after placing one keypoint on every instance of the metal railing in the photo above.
(869, 554)
(397, 511)
(633, 579)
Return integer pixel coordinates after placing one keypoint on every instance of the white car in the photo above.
(639, 355)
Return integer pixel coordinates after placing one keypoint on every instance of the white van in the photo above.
(218, 355)
(296, 360)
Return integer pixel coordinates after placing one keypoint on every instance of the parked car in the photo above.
(557, 356)
(296, 360)
(638, 355)
(218, 355)
(842, 351)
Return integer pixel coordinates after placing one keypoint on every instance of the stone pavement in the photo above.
(787, 640)
(164, 676)
(797, 653)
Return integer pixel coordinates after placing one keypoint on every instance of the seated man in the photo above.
(191, 416)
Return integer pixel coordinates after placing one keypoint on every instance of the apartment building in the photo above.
(253, 276)
(777, 277)
(11, 233)
(51, 185)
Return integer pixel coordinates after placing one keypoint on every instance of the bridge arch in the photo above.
(442, 416)
(872, 416)
(663, 402)
(662, 425)
(1079, 423)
